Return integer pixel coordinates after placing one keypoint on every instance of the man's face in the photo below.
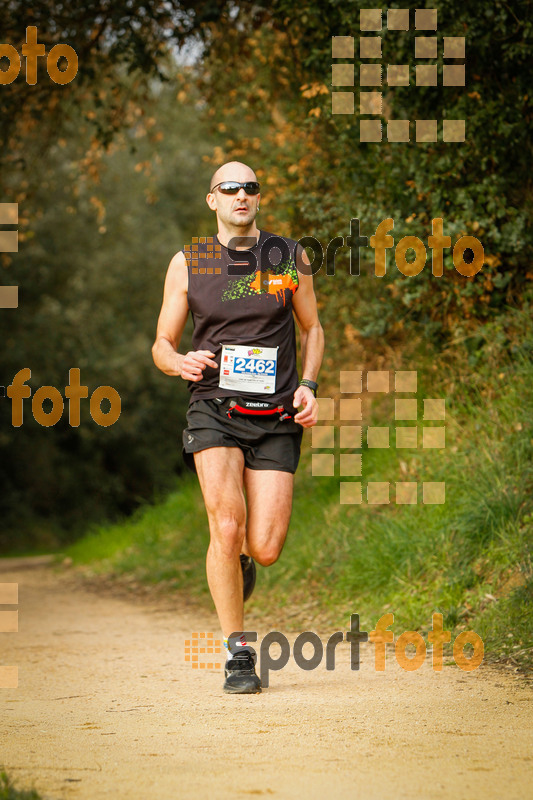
(236, 210)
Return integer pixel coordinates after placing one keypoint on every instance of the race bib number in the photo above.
(248, 368)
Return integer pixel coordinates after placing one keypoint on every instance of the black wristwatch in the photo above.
(310, 385)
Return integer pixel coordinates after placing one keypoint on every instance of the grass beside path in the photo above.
(9, 792)
(469, 558)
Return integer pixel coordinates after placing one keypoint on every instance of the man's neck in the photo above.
(225, 235)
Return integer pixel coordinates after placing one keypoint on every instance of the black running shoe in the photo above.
(240, 673)
(248, 576)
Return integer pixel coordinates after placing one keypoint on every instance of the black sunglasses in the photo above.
(232, 187)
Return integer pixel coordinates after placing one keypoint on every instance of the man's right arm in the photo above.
(170, 326)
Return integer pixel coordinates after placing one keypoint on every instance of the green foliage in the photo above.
(113, 40)
(323, 175)
(9, 792)
(469, 559)
(108, 172)
(91, 269)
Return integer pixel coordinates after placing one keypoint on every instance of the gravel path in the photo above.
(107, 707)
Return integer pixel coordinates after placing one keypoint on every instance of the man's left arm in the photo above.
(312, 339)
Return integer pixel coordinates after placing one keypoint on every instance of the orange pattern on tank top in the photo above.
(270, 283)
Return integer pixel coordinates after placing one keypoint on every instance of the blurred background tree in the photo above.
(91, 269)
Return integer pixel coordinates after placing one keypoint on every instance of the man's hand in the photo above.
(309, 414)
(194, 363)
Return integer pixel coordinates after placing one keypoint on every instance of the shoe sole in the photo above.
(235, 690)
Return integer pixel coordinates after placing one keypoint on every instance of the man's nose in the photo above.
(241, 194)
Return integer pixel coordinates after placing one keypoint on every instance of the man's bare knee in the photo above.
(266, 555)
(227, 535)
(267, 559)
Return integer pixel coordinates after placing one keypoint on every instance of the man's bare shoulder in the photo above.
(177, 274)
(178, 262)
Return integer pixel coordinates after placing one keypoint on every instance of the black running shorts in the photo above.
(267, 442)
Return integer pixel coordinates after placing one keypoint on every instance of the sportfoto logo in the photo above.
(18, 390)
(374, 74)
(468, 255)
(338, 456)
(32, 50)
(381, 241)
(204, 644)
(9, 243)
(9, 623)
(379, 637)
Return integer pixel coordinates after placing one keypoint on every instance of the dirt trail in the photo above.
(107, 707)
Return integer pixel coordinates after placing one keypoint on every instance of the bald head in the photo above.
(232, 171)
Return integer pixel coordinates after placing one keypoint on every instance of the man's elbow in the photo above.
(317, 329)
(157, 350)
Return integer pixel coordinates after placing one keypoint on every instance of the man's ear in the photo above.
(211, 202)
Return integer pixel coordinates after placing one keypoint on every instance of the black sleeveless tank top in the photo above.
(244, 297)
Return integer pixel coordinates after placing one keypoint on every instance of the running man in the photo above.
(244, 429)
